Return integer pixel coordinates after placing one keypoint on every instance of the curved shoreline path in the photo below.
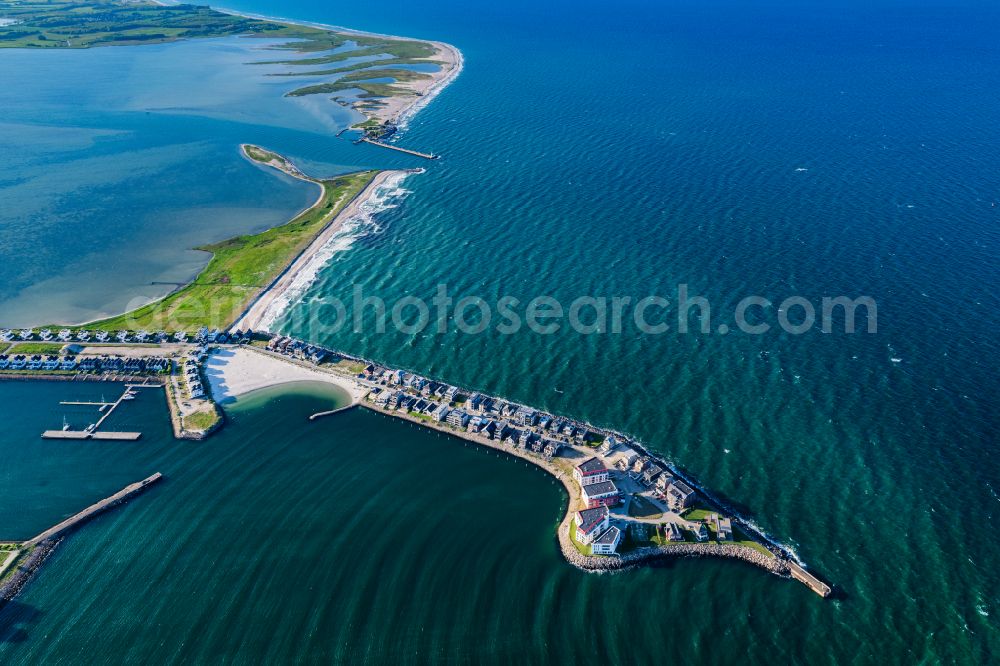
(261, 307)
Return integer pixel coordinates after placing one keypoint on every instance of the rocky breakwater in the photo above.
(644, 555)
(26, 568)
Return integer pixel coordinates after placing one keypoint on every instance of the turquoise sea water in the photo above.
(591, 151)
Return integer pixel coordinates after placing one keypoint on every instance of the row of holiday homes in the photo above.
(105, 364)
(202, 336)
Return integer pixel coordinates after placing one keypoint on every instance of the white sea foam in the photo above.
(404, 118)
(382, 198)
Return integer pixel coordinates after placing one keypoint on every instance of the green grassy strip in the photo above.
(37, 348)
(387, 62)
(368, 89)
(240, 268)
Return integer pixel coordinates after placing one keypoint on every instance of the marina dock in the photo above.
(426, 156)
(106, 408)
(95, 509)
(82, 434)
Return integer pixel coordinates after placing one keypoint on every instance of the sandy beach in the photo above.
(398, 110)
(258, 312)
(233, 372)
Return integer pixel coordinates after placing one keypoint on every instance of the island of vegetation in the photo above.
(377, 83)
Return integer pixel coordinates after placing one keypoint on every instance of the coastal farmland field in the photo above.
(241, 267)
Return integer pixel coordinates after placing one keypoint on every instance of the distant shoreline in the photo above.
(399, 109)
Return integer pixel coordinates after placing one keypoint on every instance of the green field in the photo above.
(107, 23)
(37, 348)
(201, 421)
(363, 80)
(640, 507)
(240, 268)
(264, 156)
(584, 549)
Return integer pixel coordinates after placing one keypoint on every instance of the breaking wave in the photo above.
(382, 198)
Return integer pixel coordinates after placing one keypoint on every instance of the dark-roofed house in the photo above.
(680, 495)
(590, 471)
(673, 532)
(607, 543)
(590, 523)
(651, 473)
(596, 494)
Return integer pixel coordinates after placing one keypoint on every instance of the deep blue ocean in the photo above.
(615, 150)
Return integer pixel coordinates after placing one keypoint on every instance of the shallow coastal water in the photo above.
(776, 151)
(119, 161)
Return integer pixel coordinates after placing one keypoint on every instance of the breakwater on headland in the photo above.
(26, 569)
(381, 144)
(647, 555)
(618, 562)
(38, 548)
(95, 509)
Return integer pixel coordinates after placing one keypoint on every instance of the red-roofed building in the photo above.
(590, 523)
(590, 471)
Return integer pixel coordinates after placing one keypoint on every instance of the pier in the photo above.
(810, 581)
(83, 434)
(426, 156)
(95, 509)
(319, 415)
